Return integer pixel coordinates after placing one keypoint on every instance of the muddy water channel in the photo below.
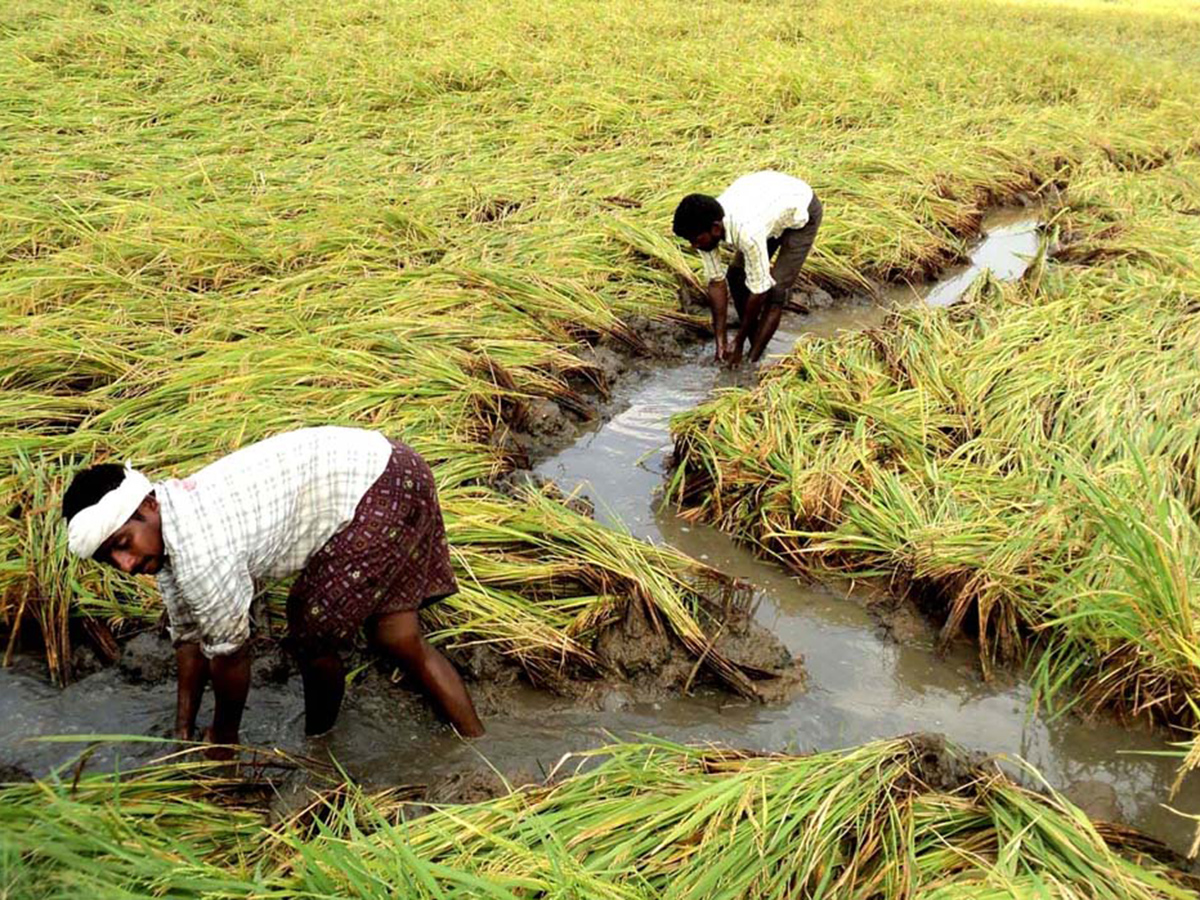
(865, 680)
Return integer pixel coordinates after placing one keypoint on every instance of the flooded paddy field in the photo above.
(452, 223)
(872, 669)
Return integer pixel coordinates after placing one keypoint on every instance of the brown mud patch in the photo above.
(648, 664)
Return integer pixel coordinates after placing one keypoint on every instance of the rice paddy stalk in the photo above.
(901, 817)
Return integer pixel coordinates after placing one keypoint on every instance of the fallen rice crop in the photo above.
(223, 221)
(896, 818)
(1024, 465)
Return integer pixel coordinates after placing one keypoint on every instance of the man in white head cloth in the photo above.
(354, 513)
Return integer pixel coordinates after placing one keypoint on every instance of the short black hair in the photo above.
(89, 486)
(695, 214)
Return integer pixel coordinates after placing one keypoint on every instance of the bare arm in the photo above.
(757, 259)
(748, 326)
(231, 684)
(718, 300)
(193, 676)
(218, 600)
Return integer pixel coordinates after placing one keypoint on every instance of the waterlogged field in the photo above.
(1023, 465)
(225, 220)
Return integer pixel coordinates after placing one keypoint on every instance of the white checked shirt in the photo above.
(758, 206)
(257, 513)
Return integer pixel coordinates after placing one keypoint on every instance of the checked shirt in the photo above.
(258, 513)
(758, 206)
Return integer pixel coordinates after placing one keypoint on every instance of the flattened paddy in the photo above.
(870, 675)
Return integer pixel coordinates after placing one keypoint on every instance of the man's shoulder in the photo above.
(763, 182)
(198, 520)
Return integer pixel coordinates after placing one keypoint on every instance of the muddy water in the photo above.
(864, 684)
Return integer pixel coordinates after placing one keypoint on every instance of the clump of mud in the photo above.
(663, 338)
(637, 651)
(85, 661)
(608, 362)
(651, 664)
(148, 658)
(12, 774)
(941, 767)
(808, 299)
(476, 785)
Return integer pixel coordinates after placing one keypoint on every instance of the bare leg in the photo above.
(231, 683)
(400, 635)
(324, 680)
(768, 322)
(321, 672)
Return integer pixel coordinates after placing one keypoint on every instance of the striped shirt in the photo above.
(758, 206)
(257, 513)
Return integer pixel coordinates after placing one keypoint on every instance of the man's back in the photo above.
(763, 204)
(275, 501)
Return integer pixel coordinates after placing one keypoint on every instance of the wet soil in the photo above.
(544, 427)
(646, 664)
(872, 669)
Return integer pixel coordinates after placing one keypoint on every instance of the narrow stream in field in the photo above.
(863, 684)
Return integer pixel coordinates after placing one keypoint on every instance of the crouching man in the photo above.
(354, 513)
(760, 215)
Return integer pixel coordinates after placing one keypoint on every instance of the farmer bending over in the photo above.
(356, 514)
(757, 215)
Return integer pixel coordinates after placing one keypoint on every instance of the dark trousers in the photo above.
(793, 246)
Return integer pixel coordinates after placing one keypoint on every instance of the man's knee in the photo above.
(400, 635)
(409, 646)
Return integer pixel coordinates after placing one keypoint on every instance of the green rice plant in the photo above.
(900, 817)
(1023, 463)
(1130, 602)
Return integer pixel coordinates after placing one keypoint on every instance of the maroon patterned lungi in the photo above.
(391, 557)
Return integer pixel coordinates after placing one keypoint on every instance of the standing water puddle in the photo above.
(862, 685)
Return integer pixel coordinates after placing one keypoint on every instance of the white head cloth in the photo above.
(91, 527)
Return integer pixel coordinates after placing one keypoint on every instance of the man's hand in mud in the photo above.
(184, 733)
(721, 352)
(733, 359)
